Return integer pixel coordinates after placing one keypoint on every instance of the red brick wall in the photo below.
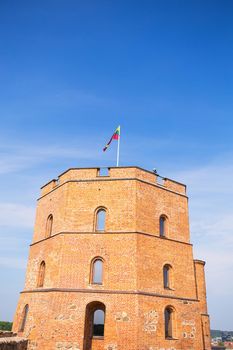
(133, 255)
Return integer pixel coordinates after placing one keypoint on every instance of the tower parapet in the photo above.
(85, 174)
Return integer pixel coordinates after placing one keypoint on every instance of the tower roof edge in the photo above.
(114, 173)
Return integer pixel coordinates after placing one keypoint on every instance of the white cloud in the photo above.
(219, 267)
(16, 215)
(13, 262)
(70, 98)
(18, 158)
(215, 177)
(210, 190)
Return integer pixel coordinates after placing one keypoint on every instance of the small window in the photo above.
(167, 276)
(41, 276)
(100, 220)
(24, 318)
(163, 226)
(98, 323)
(97, 272)
(49, 226)
(168, 316)
(160, 180)
(103, 172)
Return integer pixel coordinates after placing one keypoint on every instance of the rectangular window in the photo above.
(103, 172)
(160, 180)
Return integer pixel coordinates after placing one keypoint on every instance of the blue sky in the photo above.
(71, 71)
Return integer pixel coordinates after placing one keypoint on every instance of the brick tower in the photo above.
(111, 266)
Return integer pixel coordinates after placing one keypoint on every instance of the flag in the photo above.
(115, 136)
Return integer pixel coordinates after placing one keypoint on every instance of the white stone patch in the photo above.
(111, 347)
(150, 321)
(186, 302)
(188, 323)
(122, 316)
(189, 329)
(62, 317)
(67, 346)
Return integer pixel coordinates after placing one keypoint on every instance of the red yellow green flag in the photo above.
(115, 136)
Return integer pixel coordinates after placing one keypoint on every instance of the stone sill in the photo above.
(98, 337)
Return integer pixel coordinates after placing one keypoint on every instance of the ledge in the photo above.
(98, 337)
(106, 291)
(13, 340)
(110, 233)
(7, 334)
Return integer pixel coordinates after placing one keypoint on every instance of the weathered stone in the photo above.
(67, 346)
(111, 347)
(151, 320)
(6, 334)
(13, 343)
(122, 316)
(72, 307)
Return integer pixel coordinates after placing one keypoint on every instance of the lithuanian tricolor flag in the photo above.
(115, 136)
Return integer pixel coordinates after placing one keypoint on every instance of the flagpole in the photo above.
(118, 149)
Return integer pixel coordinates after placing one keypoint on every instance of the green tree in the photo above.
(5, 326)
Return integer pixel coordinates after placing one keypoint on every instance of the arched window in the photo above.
(41, 275)
(167, 271)
(97, 271)
(49, 226)
(98, 323)
(169, 320)
(94, 323)
(163, 226)
(100, 219)
(24, 318)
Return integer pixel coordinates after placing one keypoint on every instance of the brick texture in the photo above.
(133, 254)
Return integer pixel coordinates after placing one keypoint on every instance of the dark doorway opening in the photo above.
(94, 324)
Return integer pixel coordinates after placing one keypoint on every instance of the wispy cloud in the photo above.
(16, 215)
(70, 98)
(210, 191)
(51, 98)
(219, 268)
(17, 158)
(13, 262)
(215, 177)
